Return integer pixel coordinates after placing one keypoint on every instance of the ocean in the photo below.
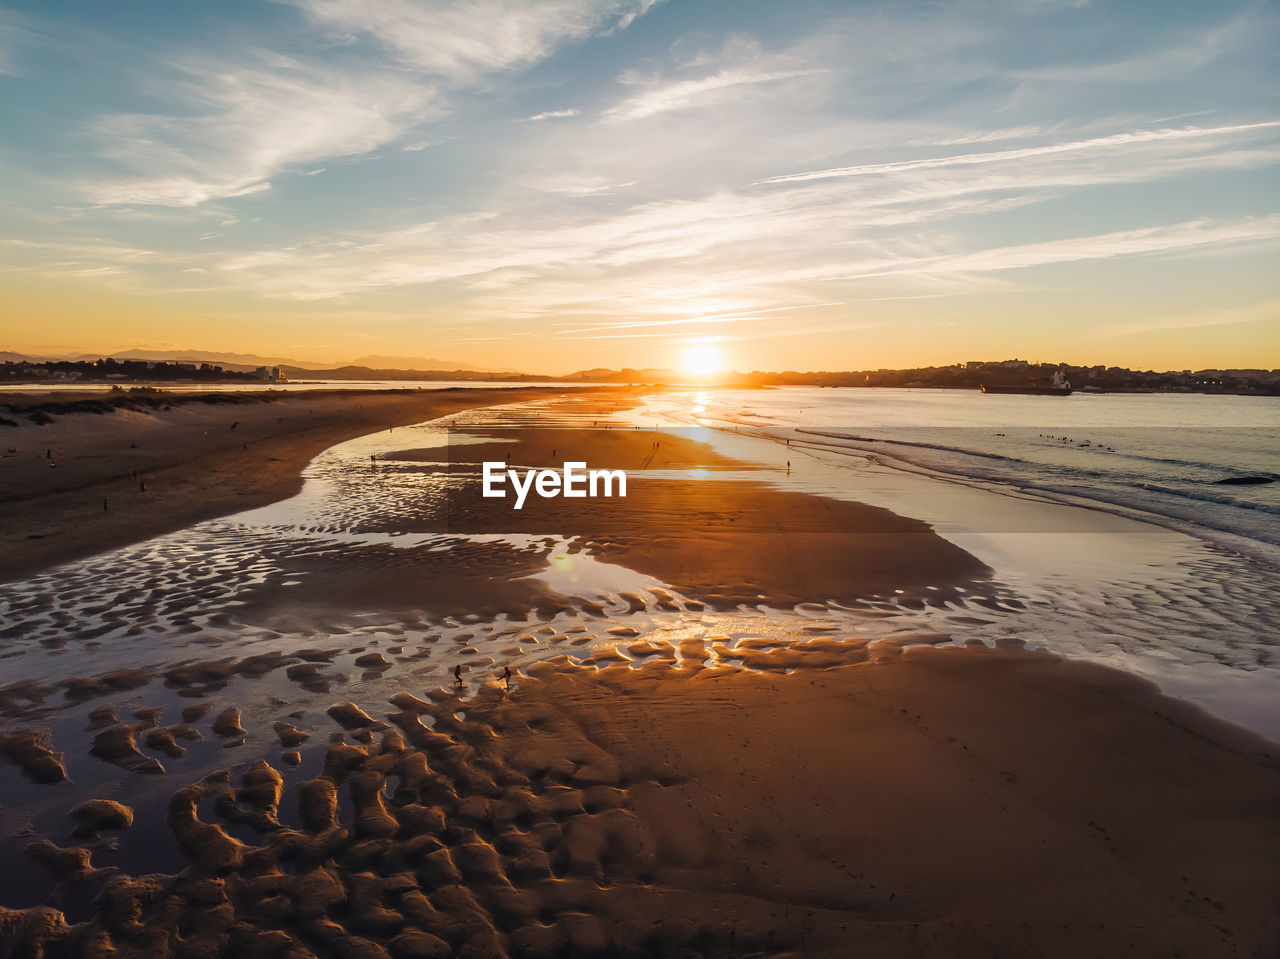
(1160, 458)
(1102, 513)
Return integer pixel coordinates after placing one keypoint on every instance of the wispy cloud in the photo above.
(689, 93)
(577, 185)
(985, 136)
(461, 40)
(1176, 238)
(256, 119)
(237, 124)
(1113, 142)
(741, 65)
(551, 115)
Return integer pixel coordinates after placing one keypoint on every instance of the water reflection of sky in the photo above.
(1095, 586)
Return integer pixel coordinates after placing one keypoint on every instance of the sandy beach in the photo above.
(688, 758)
(198, 459)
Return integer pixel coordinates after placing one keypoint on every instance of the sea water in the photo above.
(1103, 513)
(1157, 457)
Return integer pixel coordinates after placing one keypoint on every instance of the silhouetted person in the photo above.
(142, 486)
(104, 504)
(457, 674)
(506, 676)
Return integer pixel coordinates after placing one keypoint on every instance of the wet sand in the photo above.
(196, 465)
(718, 541)
(661, 787)
(937, 802)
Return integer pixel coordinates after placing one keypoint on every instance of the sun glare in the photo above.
(702, 360)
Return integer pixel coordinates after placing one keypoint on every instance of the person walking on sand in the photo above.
(457, 674)
(506, 676)
(104, 504)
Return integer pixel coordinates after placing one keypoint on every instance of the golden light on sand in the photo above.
(701, 359)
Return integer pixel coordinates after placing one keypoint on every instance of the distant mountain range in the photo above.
(250, 361)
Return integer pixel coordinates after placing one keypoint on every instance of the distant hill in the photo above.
(600, 374)
(413, 363)
(234, 361)
(296, 373)
(251, 361)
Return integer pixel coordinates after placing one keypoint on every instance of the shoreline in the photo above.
(1262, 552)
(195, 463)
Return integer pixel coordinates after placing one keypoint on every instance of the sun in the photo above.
(702, 360)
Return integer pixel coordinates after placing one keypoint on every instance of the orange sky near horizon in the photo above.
(606, 183)
(94, 322)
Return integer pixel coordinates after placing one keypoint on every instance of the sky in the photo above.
(553, 185)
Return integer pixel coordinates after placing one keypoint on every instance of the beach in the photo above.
(741, 719)
(198, 458)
